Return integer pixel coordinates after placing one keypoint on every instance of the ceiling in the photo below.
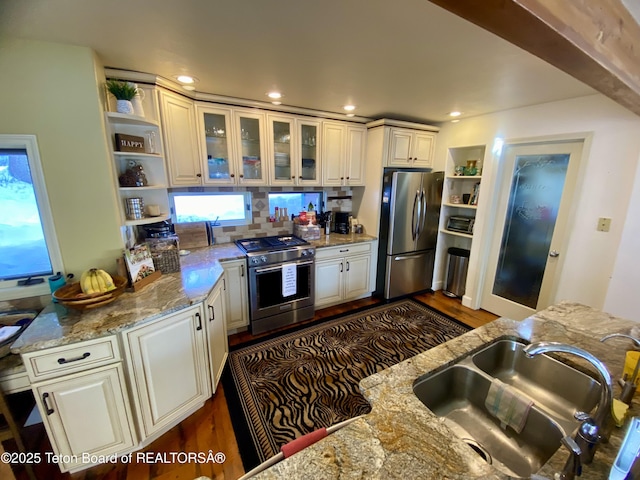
(406, 59)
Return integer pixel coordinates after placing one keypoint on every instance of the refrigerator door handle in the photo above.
(422, 215)
(414, 220)
(408, 257)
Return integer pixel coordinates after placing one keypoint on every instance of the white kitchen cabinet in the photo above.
(410, 148)
(343, 273)
(168, 369)
(251, 147)
(86, 413)
(293, 150)
(216, 327)
(236, 283)
(343, 153)
(80, 384)
(216, 132)
(179, 131)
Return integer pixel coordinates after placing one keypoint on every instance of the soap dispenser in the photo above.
(627, 463)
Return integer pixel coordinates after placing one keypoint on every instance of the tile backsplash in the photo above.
(338, 200)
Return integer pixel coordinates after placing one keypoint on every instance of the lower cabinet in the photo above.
(235, 272)
(216, 326)
(86, 415)
(168, 368)
(343, 273)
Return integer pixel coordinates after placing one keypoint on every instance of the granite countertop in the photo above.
(200, 270)
(401, 438)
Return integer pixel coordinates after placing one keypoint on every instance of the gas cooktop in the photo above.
(267, 244)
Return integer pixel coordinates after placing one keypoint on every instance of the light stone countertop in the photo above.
(401, 438)
(200, 270)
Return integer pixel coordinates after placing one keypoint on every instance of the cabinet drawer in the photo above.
(343, 250)
(58, 361)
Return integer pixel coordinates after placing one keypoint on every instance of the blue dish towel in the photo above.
(507, 405)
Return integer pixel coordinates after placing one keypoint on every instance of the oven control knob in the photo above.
(263, 259)
(255, 260)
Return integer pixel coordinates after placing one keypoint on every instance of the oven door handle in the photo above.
(279, 267)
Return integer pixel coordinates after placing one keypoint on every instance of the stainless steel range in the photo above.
(281, 281)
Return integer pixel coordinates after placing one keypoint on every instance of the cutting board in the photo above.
(192, 235)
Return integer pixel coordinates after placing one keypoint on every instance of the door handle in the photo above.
(554, 253)
(414, 221)
(242, 270)
(62, 361)
(407, 257)
(347, 266)
(341, 267)
(49, 410)
(212, 313)
(199, 327)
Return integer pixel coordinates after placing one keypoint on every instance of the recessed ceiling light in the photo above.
(189, 87)
(455, 114)
(186, 79)
(274, 95)
(349, 108)
(455, 121)
(351, 114)
(277, 103)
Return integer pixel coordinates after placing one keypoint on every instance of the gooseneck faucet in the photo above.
(592, 430)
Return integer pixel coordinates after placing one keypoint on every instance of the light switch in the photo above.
(604, 224)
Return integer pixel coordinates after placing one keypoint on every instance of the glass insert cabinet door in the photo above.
(218, 146)
(281, 138)
(250, 128)
(309, 156)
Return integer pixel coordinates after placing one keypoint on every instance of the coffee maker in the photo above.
(342, 223)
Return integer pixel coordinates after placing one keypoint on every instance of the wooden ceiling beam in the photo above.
(594, 41)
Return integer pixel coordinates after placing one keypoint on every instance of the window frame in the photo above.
(248, 213)
(9, 289)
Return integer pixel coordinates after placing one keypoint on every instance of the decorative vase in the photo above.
(137, 100)
(124, 106)
(471, 168)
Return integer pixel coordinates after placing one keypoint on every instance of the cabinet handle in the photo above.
(212, 313)
(242, 270)
(199, 327)
(224, 284)
(232, 175)
(62, 361)
(300, 177)
(345, 250)
(49, 410)
(242, 175)
(347, 266)
(341, 267)
(348, 178)
(341, 178)
(198, 175)
(293, 177)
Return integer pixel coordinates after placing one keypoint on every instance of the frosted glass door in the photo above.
(536, 190)
(532, 215)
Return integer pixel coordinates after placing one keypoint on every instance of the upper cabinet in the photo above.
(217, 149)
(251, 146)
(179, 131)
(343, 153)
(410, 148)
(293, 150)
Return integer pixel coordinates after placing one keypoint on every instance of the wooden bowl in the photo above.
(71, 295)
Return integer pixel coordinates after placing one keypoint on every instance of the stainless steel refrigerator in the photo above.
(408, 231)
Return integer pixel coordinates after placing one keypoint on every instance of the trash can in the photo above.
(457, 272)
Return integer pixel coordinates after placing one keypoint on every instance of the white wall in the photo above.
(52, 91)
(607, 180)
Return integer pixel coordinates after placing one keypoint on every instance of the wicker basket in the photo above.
(71, 295)
(165, 253)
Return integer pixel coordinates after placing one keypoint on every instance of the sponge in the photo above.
(619, 411)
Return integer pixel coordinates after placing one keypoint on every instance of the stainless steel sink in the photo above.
(457, 393)
(558, 389)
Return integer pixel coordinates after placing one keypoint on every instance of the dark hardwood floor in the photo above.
(207, 429)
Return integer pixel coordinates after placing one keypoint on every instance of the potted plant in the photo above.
(124, 93)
